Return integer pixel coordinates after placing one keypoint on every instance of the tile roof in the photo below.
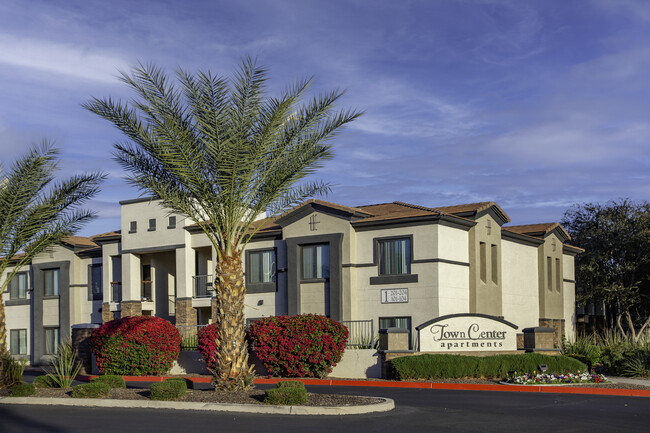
(537, 230)
(473, 208)
(78, 242)
(395, 210)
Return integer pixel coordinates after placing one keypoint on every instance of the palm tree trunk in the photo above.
(232, 351)
(3, 327)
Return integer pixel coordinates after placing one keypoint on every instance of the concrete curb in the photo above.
(385, 405)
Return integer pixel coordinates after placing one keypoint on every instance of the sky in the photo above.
(536, 105)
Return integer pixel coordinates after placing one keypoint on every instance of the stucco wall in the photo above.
(520, 284)
(569, 292)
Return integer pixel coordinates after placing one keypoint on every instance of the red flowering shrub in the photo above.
(305, 346)
(136, 345)
(207, 345)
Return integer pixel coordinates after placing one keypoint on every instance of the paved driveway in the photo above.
(417, 411)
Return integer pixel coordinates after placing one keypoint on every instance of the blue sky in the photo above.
(536, 105)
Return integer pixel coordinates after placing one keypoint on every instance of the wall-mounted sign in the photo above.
(467, 332)
(394, 296)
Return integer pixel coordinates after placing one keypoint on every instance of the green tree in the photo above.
(221, 152)
(37, 212)
(615, 267)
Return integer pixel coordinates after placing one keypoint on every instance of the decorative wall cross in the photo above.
(489, 227)
(553, 244)
(313, 222)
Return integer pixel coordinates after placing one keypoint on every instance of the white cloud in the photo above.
(63, 59)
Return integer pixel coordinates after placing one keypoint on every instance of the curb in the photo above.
(417, 385)
(385, 405)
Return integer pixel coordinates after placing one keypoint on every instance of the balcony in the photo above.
(203, 286)
(116, 291)
(145, 291)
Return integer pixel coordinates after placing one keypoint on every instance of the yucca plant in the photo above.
(221, 152)
(64, 366)
(36, 213)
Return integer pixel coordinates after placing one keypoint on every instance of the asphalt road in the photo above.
(417, 410)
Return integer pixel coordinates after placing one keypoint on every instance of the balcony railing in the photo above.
(203, 286)
(116, 291)
(189, 338)
(361, 334)
(145, 292)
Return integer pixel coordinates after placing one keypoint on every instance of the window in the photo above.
(96, 282)
(133, 226)
(51, 280)
(315, 262)
(152, 225)
(395, 256)
(18, 343)
(397, 322)
(261, 266)
(483, 261)
(172, 222)
(495, 264)
(18, 286)
(51, 340)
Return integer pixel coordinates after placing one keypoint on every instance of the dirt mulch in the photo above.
(250, 396)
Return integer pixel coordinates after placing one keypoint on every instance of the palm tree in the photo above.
(221, 152)
(37, 212)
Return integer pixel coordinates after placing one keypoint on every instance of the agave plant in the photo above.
(64, 367)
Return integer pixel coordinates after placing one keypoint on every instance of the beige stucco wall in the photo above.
(142, 212)
(569, 292)
(551, 305)
(485, 293)
(520, 284)
(17, 316)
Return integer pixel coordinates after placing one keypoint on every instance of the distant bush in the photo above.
(207, 346)
(91, 390)
(44, 382)
(136, 345)
(430, 366)
(171, 389)
(286, 393)
(111, 380)
(22, 390)
(306, 345)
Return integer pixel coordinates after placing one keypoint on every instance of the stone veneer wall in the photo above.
(185, 313)
(558, 326)
(107, 314)
(80, 337)
(131, 308)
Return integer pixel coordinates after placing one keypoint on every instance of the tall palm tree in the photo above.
(219, 151)
(36, 212)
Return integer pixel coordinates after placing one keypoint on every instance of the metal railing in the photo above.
(203, 286)
(116, 291)
(361, 334)
(189, 336)
(145, 292)
(171, 306)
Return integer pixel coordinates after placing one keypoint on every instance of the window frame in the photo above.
(152, 225)
(409, 277)
(133, 227)
(14, 281)
(57, 341)
(45, 281)
(92, 295)
(261, 287)
(11, 342)
(171, 222)
(303, 279)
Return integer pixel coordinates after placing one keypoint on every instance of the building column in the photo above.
(186, 315)
(131, 285)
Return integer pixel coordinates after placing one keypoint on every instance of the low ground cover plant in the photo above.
(306, 345)
(111, 380)
(286, 393)
(433, 366)
(207, 346)
(170, 389)
(44, 382)
(22, 390)
(555, 379)
(136, 345)
(91, 390)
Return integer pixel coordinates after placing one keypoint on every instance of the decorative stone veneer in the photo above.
(131, 308)
(185, 313)
(107, 314)
(558, 326)
(80, 337)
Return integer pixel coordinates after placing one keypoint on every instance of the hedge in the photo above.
(91, 390)
(111, 380)
(306, 345)
(286, 393)
(429, 366)
(22, 390)
(171, 389)
(136, 345)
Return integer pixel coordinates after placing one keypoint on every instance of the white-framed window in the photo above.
(394, 256)
(51, 340)
(315, 261)
(18, 341)
(51, 281)
(18, 286)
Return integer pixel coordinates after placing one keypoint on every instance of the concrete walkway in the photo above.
(630, 380)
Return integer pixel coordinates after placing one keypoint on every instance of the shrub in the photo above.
(64, 367)
(583, 349)
(188, 383)
(11, 370)
(290, 384)
(171, 389)
(44, 382)
(286, 396)
(207, 346)
(430, 366)
(91, 390)
(111, 380)
(136, 345)
(307, 345)
(638, 364)
(22, 390)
